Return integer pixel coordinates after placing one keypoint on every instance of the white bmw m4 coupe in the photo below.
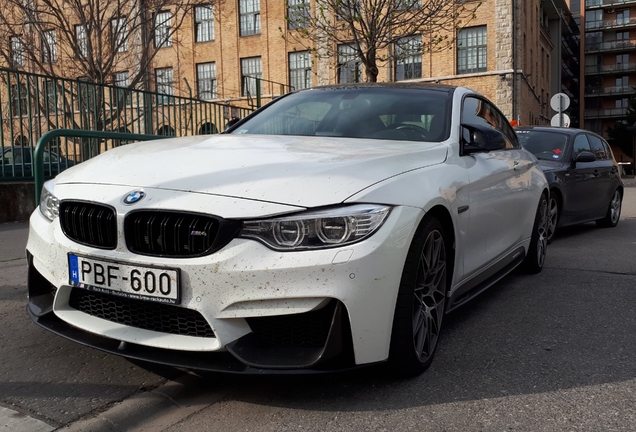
(331, 229)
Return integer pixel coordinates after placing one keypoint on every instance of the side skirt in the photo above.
(485, 279)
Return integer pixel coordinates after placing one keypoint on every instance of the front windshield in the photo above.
(404, 114)
(544, 145)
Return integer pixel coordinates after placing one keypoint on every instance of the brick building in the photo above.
(513, 52)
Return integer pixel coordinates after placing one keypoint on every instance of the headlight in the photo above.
(49, 204)
(318, 229)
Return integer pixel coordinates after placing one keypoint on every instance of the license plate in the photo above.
(126, 280)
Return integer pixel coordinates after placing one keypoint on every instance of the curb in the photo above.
(14, 421)
(152, 411)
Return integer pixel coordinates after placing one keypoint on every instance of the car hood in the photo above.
(300, 171)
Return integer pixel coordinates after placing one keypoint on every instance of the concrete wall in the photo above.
(17, 201)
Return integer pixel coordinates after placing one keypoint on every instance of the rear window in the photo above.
(377, 113)
(544, 145)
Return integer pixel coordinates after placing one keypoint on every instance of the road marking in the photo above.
(16, 422)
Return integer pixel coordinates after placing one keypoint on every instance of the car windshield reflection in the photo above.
(398, 114)
(544, 145)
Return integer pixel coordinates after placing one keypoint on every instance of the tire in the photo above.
(613, 211)
(553, 217)
(421, 301)
(533, 263)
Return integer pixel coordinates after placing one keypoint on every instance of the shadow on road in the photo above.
(570, 326)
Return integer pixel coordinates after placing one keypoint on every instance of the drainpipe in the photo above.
(514, 60)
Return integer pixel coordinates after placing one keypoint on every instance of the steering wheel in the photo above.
(413, 128)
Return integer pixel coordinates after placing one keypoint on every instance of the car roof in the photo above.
(403, 85)
(561, 130)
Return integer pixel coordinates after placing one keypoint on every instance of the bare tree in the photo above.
(94, 39)
(376, 31)
(97, 42)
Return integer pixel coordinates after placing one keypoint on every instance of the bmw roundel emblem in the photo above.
(134, 197)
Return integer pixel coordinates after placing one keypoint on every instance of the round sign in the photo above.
(557, 122)
(560, 102)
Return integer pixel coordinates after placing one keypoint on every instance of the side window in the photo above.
(580, 144)
(508, 131)
(597, 147)
(608, 150)
(479, 112)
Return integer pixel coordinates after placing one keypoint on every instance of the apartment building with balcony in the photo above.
(610, 62)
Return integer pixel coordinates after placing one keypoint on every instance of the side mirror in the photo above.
(481, 139)
(585, 156)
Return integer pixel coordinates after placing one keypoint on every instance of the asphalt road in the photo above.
(550, 352)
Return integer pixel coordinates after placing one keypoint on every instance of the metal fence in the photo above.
(31, 105)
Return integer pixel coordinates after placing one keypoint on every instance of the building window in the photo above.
(471, 50)
(250, 17)
(86, 97)
(49, 46)
(408, 58)
(81, 38)
(349, 65)
(251, 72)
(593, 40)
(122, 79)
(593, 19)
(622, 83)
(407, 4)
(206, 80)
(204, 23)
(163, 25)
(51, 96)
(164, 79)
(300, 70)
(622, 16)
(347, 9)
(119, 31)
(17, 52)
(297, 13)
(19, 97)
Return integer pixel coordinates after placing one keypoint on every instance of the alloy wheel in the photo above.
(542, 232)
(429, 295)
(553, 218)
(615, 207)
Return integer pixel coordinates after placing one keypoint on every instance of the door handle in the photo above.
(596, 173)
(516, 165)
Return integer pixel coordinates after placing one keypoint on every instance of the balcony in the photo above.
(610, 91)
(566, 69)
(610, 24)
(609, 69)
(596, 4)
(605, 113)
(619, 45)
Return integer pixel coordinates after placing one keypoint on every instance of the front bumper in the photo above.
(259, 303)
(251, 354)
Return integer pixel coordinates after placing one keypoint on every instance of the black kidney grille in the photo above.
(89, 223)
(309, 329)
(170, 234)
(141, 314)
